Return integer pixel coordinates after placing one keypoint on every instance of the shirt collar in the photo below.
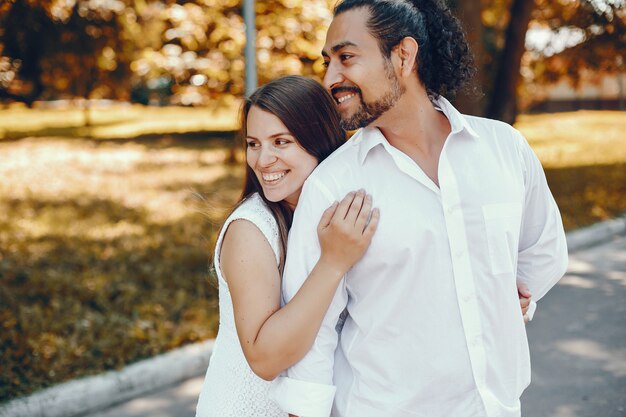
(458, 122)
(369, 137)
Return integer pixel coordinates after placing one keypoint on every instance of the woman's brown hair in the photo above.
(309, 113)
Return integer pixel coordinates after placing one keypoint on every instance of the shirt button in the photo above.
(450, 209)
(459, 253)
(467, 297)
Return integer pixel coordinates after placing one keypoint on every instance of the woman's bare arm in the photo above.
(273, 338)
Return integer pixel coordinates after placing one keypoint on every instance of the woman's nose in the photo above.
(267, 156)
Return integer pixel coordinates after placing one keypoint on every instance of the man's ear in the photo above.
(406, 52)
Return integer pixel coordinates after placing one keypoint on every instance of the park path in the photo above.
(577, 341)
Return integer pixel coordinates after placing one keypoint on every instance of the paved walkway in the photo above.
(577, 341)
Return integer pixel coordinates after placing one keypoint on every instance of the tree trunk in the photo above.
(89, 85)
(86, 112)
(503, 103)
(26, 46)
(472, 100)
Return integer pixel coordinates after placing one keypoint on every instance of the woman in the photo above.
(290, 125)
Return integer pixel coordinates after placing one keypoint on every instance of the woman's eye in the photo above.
(252, 144)
(282, 141)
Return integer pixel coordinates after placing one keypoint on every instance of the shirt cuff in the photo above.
(302, 398)
(532, 307)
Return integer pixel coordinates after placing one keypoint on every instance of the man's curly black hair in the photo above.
(444, 60)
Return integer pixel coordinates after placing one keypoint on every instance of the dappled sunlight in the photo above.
(619, 276)
(576, 138)
(576, 281)
(589, 281)
(159, 181)
(584, 157)
(116, 121)
(566, 411)
(611, 359)
(105, 250)
(152, 406)
(165, 403)
(35, 228)
(579, 266)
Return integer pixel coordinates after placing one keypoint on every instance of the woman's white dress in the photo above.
(230, 387)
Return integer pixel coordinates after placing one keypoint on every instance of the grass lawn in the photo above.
(105, 244)
(115, 122)
(584, 157)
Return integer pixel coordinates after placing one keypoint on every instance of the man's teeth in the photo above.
(344, 98)
(273, 176)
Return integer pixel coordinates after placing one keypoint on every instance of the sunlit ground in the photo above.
(117, 121)
(576, 138)
(105, 245)
(584, 156)
(104, 253)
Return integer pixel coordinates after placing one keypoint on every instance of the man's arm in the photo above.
(542, 257)
(307, 390)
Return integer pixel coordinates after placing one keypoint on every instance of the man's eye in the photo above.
(345, 57)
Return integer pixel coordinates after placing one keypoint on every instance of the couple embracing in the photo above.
(389, 275)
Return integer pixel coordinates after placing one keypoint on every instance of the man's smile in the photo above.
(343, 94)
(344, 98)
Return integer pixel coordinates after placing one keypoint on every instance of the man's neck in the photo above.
(414, 125)
(416, 128)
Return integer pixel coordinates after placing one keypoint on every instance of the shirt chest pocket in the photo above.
(502, 226)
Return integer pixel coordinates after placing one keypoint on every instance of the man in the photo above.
(433, 325)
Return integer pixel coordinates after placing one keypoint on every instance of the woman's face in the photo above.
(276, 157)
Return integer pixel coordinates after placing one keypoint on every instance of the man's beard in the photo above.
(367, 113)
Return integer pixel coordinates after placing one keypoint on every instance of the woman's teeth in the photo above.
(274, 176)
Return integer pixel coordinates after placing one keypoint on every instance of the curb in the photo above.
(85, 395)
(81, 396)
(596, 234)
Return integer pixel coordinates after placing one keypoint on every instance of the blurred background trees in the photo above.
(191, 52)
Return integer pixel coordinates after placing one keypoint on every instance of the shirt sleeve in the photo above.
(307, 389)
(542, 256)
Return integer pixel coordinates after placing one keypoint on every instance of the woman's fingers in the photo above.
(327, 216)
(353, 211)
(364, 214)
(353, 202)
(346, 229)
(355, 207)
(344, 206)
(372, 225)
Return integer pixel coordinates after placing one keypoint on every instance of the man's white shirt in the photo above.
(434, 327)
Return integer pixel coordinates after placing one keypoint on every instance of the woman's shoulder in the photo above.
(253, 209)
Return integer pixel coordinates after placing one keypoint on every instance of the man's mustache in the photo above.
(345, 88)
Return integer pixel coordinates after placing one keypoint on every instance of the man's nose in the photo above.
(333, 77)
